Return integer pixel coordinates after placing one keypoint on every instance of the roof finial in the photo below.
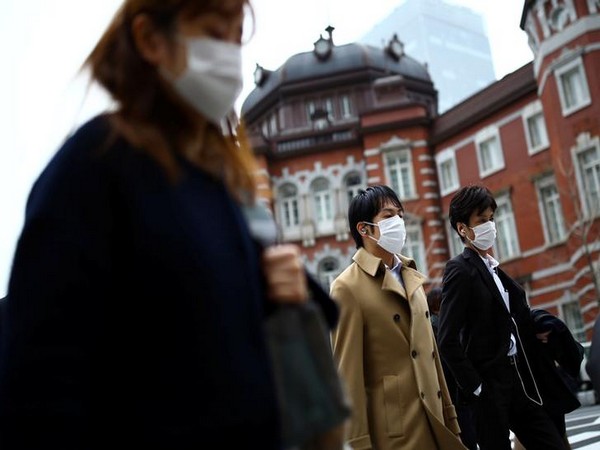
(329, 30)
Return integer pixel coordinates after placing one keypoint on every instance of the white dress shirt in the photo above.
(492, 265)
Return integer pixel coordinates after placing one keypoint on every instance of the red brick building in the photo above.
(340, 118)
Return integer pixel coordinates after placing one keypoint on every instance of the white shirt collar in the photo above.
(489, 261)
(397, 264)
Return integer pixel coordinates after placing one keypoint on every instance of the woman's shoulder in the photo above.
(91, 136)
(78, 162)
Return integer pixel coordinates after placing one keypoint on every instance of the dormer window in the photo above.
(320, 119)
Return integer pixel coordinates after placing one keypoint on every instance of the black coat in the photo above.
(475, 326)
(557, 383)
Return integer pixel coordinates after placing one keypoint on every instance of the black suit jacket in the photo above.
(475, 326)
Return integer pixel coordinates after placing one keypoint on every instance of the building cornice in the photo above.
(484, 103)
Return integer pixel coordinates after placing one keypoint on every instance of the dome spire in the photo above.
(329, 30)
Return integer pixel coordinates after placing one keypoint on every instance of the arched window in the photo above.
(322, 204)
(288, 206)
(328, 269)
(353, 183)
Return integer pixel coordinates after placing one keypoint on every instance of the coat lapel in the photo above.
(411, 277)
(474, 259)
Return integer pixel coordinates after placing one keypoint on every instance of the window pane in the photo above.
(448, 174)
(327, 271)
(572, 87)
(310, 109)
(589, 161)
(289, 205)
(506, 241)
(574, 320)
(552, 212)
(329, 107)
(322, 200)
(535, 124)
(413, 247)
(353, 185)
(488, 151)
(400, 173)
(346, 107)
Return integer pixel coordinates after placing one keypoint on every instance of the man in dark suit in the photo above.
(486, 334)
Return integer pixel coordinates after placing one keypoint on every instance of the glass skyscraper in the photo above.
(450, 39)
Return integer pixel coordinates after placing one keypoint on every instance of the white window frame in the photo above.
(326, 277)
(491, 134)
(551, 208)
(265, 128)
(289, 208)
(322, 202)
(571, 313)
(311, 107)
(414, 247)
(351, 190)
(455, 244)
(273, 128)
(447, 171)
(328, 106)
(402, 162)
(506, 228)
(585, 144)
(534, 113)
(346, 111)
(583, 92)
(560, 16)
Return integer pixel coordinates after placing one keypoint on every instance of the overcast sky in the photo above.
(43, 43)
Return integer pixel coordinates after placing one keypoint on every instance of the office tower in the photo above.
(450, 39)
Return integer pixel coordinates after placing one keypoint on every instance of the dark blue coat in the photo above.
(135, 312)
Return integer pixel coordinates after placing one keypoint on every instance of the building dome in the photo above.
(328, 61)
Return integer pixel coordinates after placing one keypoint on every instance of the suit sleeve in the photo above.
(456, 286)
(347, 342)
(570, 354)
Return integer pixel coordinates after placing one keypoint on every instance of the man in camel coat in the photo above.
(384, 344)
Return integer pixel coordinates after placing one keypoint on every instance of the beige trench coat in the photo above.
(387, 356)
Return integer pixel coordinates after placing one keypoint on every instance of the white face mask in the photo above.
(485, 235)
(212, 80)
(392, 234)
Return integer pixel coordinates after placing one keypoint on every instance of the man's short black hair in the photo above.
(365, 205)
(469, 199)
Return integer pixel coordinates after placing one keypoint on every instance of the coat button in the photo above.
(439, 394)
(433, 355)
(414, 353)
(396, 317)
(427, 314)
(422, 394)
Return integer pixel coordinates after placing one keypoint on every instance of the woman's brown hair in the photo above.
(162, 123)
